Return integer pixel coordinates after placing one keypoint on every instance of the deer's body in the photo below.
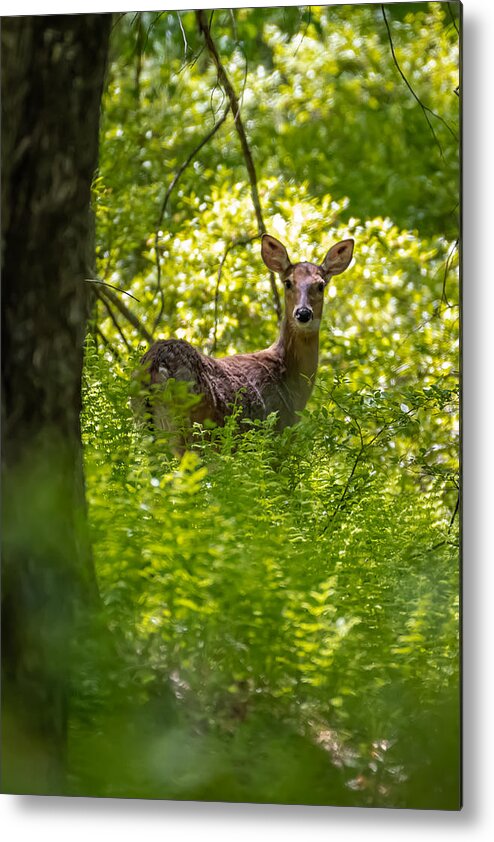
(278, 379)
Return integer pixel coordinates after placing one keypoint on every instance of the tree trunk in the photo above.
(52, 77)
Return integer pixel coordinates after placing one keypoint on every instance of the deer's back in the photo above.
(251, 381)
(174, 358)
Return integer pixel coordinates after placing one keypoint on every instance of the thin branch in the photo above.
(211, 97)
(437, 313)
(437, 310)
(454, 513)
(306, 28)
(234, 25)
(426, 110)
(227, 86)
(117, 20)
(246, 73)
(436, 546)
(106, 284)
(150, 27)
(204, 28)
(445, 278)
(354, 420)
(166, 199)
(363, 448)
(127, 314)
(113, 319)
(138, 55)
(190, 64)
(445, 541)
(182, 30)
(187, 161)
(345, 490)
(242, 241)
(453, 18)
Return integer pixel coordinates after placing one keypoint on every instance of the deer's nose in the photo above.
(303, 314)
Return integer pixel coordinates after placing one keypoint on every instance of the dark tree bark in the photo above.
(52, 77)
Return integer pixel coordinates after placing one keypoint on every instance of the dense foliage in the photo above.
(285, 607)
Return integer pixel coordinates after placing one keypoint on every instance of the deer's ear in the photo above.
(338, 258)
(274, 254)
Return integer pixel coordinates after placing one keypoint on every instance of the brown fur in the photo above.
(278, 379)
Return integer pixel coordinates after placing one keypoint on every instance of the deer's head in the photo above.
(305, 282)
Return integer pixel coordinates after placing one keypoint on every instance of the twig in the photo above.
(106, 284)
(426, 110)
(437, 310)
(445, 541)
(453, 18)
(127, 314)
(455, 512)
(204, 28)
(436, 546)
(246, 73)
(346, 412)
(138, 54)
(345, 490)
(165, 201)
(187, 161)
(182, 30)
(234, 25)
(243, 241)
(418, 327)
(211, 97)
(446, 272)
(193, 61)
(117, 20)
(113, 319)
(306, 29)
(363, 448)
(150, 27)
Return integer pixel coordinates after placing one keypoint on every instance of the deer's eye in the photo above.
(288, 284)
(320, 286)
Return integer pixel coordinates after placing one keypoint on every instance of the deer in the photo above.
(278, 379)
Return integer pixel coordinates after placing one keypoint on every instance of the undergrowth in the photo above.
(281, 590)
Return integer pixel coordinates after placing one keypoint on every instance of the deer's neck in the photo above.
(299, 350)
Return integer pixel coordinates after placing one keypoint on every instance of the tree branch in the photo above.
(453, 18)
(447, 267)
(426, 110)
(455, 512)
(242, 241)
(182, 30)
(301, 13)
(166, 199)
(113, 319)
(126, 313)
(345, 490)
(363, 448)
(249, 162)
(106, 284)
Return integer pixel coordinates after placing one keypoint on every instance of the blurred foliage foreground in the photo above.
(284, 607)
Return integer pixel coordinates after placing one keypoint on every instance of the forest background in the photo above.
(286, 607)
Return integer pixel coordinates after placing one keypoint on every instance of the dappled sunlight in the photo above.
(286, 603)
